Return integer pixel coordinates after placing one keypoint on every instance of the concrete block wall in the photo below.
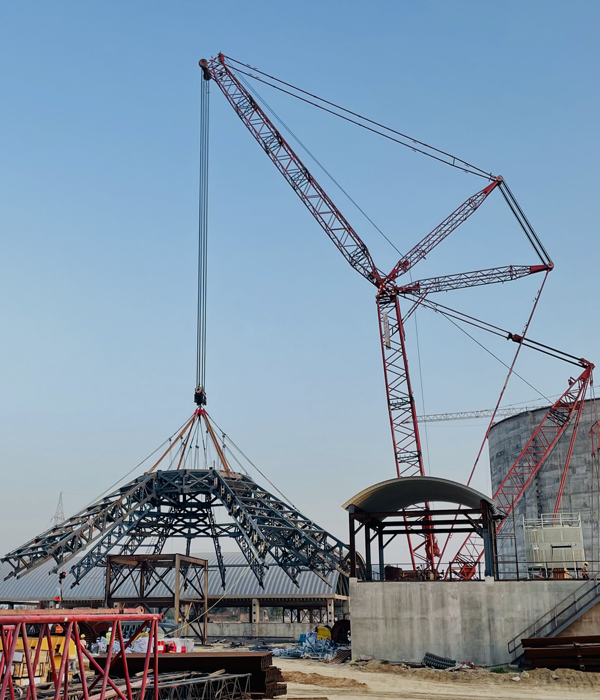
(464, 620)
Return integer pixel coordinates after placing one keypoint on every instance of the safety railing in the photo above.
(406, 572)
(510, 569)
(560, 616)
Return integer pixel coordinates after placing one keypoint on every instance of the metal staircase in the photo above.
(558, 618)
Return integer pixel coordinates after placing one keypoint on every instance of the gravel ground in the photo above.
(314, 680)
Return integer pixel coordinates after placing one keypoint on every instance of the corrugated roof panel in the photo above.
(39, 584)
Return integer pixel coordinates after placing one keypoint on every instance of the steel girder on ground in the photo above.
(181, 503)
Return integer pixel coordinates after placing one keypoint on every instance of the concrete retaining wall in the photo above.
(282, 630)
(464, 620)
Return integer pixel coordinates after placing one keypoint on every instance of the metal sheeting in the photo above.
(396, 494)
(241, 582)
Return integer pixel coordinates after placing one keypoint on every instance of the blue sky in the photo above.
(98, 222)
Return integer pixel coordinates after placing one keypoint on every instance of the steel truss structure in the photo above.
(181, 503)
(167, 581)
(225, 72)
(383, 527)
(211, 687)
(471, 415)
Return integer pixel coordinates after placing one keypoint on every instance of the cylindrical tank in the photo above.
(506, 440)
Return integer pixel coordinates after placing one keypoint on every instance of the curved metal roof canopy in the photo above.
(396, 494)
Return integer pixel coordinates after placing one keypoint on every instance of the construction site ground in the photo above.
(309, 679)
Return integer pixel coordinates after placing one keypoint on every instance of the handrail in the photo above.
(562, 614)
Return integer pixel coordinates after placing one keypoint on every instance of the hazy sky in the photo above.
(98, 222)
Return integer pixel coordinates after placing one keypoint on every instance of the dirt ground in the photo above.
(312, 680)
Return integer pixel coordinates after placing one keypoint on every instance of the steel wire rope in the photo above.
(465, 167)
(237, 461)
(534, 408)
(319, 164)
(494, 356)
(287, 128)
(202, 236)
(189, 449)
(255, 467)
(519, 215)
(110, 488)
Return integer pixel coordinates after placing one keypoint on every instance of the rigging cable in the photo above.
(319, 164)
(494, 356)
(254, 465)
(442, 157)
(139, 464)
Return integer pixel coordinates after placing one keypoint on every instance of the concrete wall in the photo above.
(507, 439)
(463, 620)
(588, 623)
(281, 630)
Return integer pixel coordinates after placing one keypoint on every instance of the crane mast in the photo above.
(408, 454)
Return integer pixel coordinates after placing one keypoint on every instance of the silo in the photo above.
(581, 494)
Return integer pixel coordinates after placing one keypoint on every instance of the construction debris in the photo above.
(438, 661)
(265, 679)
(311, 647)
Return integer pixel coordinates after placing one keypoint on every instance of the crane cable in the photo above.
(315, 159)
(200, 394)
(442, 156)
(427, 150)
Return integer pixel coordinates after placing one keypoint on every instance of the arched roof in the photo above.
(396, 494)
